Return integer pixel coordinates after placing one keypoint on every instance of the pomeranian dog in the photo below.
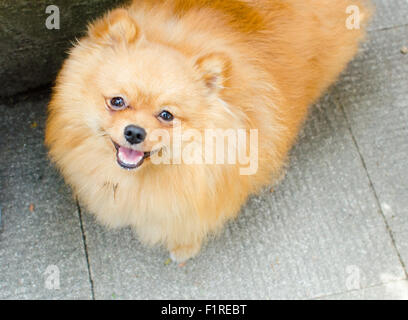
(153, 66)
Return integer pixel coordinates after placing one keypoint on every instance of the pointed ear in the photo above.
(215, 69)
(117, 26)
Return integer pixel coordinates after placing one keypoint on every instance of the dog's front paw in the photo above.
(183, 253)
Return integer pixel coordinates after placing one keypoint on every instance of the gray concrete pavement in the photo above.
(40, 224)
(373, 95)
(389, 14)
(30, 53)
(335, 228)
(395, 290)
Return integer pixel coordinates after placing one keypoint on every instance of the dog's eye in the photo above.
(166, 116)
(117, 103)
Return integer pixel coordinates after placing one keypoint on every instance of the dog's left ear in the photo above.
(215, 69)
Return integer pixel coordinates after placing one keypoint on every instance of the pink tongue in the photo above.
(130, 156)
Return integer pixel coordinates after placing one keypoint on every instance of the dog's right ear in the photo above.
(116, 27)
(214, 69)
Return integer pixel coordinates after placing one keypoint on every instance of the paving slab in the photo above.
(389, 13)
(41, 248)
(394, 290)
(374, 95)
(320, 228)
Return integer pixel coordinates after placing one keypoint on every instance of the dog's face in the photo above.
(137, 89)
(144, 92)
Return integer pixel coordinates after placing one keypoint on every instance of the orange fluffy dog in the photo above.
(195, 64)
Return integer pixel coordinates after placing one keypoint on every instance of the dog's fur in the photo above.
(219, 64)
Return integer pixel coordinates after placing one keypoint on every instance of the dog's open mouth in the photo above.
(129, 158)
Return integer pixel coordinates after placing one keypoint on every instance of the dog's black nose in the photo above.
(134, 134)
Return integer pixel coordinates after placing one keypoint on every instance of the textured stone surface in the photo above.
(30, 54)
(374, 95)
(389, 13)
(40, 223)
(393, 290)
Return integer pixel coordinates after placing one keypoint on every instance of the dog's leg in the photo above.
(182, 252)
